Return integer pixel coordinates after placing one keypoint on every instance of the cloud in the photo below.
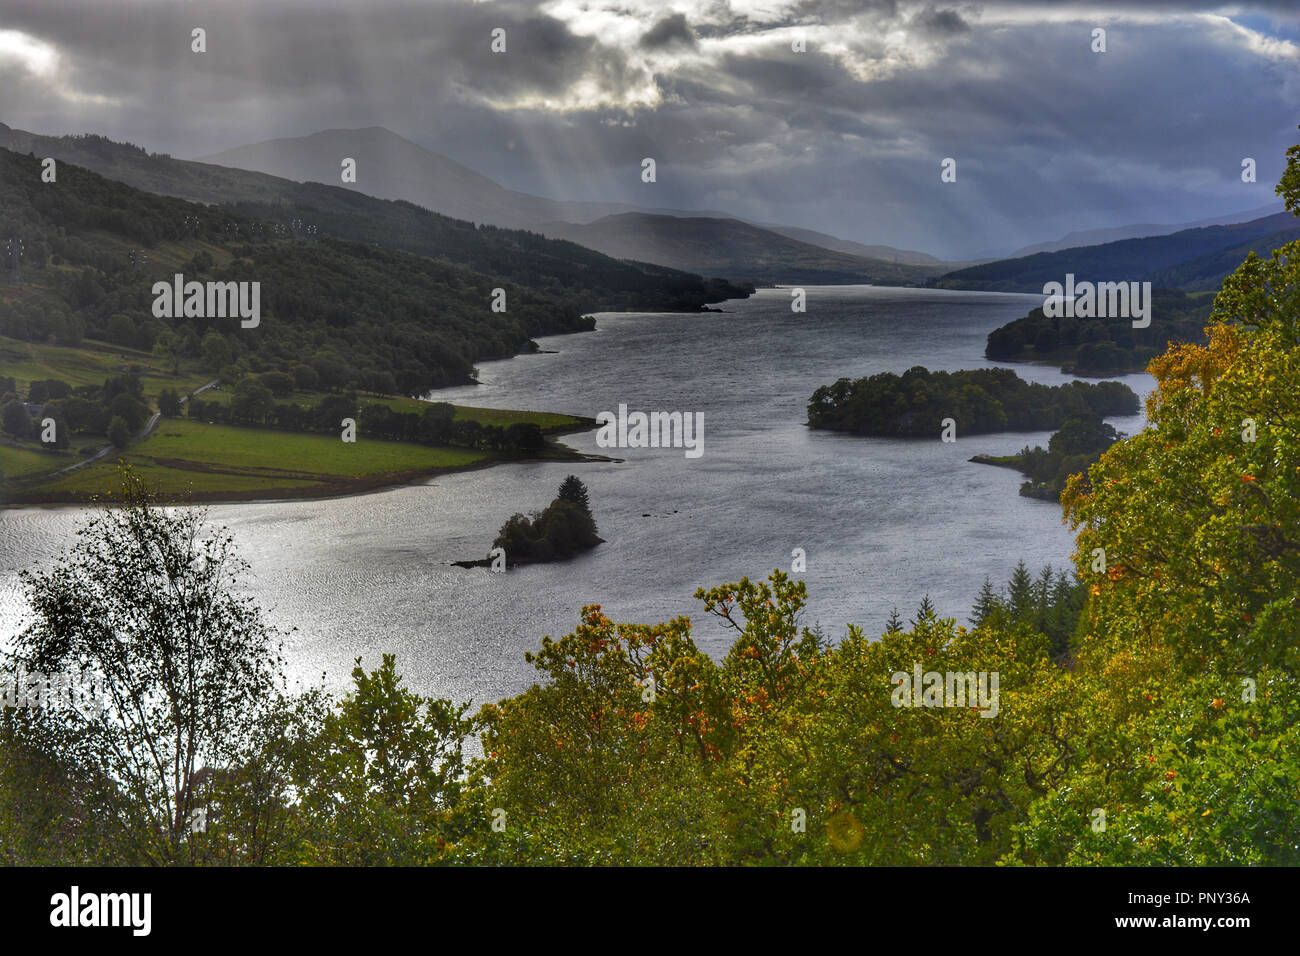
(845, 137)
(668, 31)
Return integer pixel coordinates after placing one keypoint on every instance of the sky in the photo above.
(846, 136)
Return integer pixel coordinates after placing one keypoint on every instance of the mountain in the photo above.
(721, 246)
(390, 166)
(1193, 259)
(834, 243)
(1096, 237)
(586, 279)
(94, 247)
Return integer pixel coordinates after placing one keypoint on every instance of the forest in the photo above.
(1102, 346)
(981, 400)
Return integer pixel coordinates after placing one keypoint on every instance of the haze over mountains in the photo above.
(305, 171)
(392, 167)
(710, 242)
(729, 247)
(588, 279)
(1095, 237)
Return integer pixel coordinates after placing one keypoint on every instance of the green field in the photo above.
(546, 421)
(16, 461)
(258, 448)
(215, 461)
(190, 458)
(88, 364)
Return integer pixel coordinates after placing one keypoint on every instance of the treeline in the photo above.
(117, 409)
(981, 400)
(252, 403)
(1102, 346)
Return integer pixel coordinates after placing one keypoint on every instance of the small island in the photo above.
(980, 401)
(565, 529)
(1075, 446)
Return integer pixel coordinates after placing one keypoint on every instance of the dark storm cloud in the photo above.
(671, 29)
(846, 136)
(940, 21)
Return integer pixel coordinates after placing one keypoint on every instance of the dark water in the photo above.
(883, 521)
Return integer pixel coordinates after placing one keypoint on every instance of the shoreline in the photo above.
(374, 483)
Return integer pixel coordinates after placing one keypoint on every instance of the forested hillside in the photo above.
(980, 400)
(1103, 346)
(1195, 258)
(593, 282)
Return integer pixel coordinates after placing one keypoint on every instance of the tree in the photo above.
(130, 409)
(119, 432)
(572, 489)
(251, 401)
(216, 352)
(305, 377)
(281, 384)
(986, 604)
(379, 778)
(169, 402)
(145, 604)
(167, 349)
(1020, 594)
(924, 611)
(1082, 435)
(15, 419)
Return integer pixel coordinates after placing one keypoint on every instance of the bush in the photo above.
(119, 432)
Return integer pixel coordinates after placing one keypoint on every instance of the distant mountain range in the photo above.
(586, 279)
(729, 247)
(1191, 259)
(392, 167)
(305, 170)
(709, 242)
(1096, 237)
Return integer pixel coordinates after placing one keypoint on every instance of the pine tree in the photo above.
(895, 623)
(572, 489)
(1043, 600)
(925, 612)
(986, 605)
(1020, 593)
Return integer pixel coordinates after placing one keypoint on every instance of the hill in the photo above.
(1095, 237)
(392, 167)
(732, 248)
(1190, 254)
(589, 280)
(909, 257)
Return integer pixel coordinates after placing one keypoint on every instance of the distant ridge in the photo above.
(730, 247)
(392, 167)
(1096, 237)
